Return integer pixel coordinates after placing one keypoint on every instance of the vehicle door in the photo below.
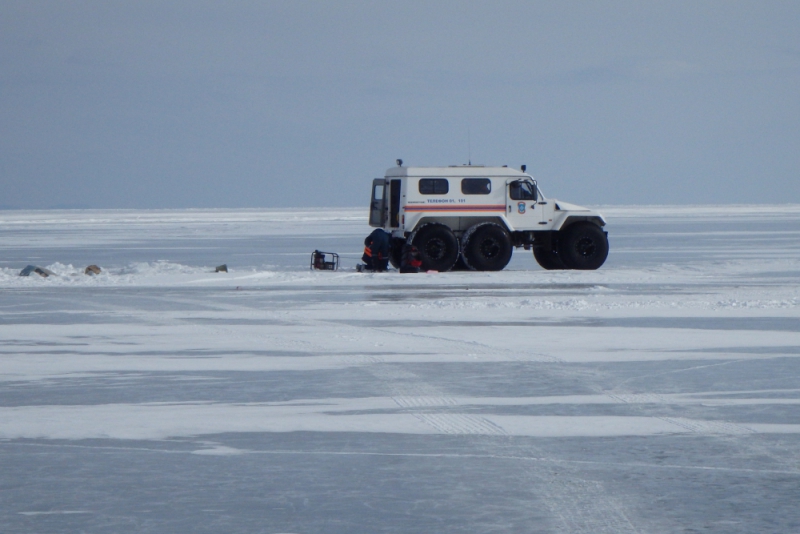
(394, 203)
(377, 205)
(521, 208)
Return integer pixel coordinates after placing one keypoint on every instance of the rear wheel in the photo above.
(437, 245)
(583, 246)
(487, 247)
(547, 259)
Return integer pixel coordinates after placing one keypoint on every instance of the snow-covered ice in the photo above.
(657, 394)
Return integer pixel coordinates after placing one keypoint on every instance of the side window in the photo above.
(377, 192)
(434, 186)
(476, 186)
(521, 190)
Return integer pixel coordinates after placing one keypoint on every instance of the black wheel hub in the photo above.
(490, 248)
(435, 249)
(586, 247)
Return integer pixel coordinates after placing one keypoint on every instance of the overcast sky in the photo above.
(268, 104)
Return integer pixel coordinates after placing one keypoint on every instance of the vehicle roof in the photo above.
(458, 171)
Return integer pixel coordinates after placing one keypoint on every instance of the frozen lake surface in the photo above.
(657, 394)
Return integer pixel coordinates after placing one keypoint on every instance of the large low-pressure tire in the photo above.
(547, 259)
(396, 251)
(438, 247)
(487, 247)
(583, 246)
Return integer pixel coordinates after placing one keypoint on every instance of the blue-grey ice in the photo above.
(657, 394)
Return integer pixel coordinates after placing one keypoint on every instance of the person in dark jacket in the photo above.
(376, 251)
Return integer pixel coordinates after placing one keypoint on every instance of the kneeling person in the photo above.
(376, 251)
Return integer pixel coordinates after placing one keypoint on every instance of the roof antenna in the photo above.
(469, 147)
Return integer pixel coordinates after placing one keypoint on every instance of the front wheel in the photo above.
(583, 246)
(487, 247)
(437, 245)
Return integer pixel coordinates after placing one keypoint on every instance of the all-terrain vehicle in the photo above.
(474, 216)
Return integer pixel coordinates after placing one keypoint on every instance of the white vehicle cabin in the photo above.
(474, 216)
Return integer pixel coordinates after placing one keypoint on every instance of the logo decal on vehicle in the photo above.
(521, 207)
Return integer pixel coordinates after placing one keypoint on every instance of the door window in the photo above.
(521, 190)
